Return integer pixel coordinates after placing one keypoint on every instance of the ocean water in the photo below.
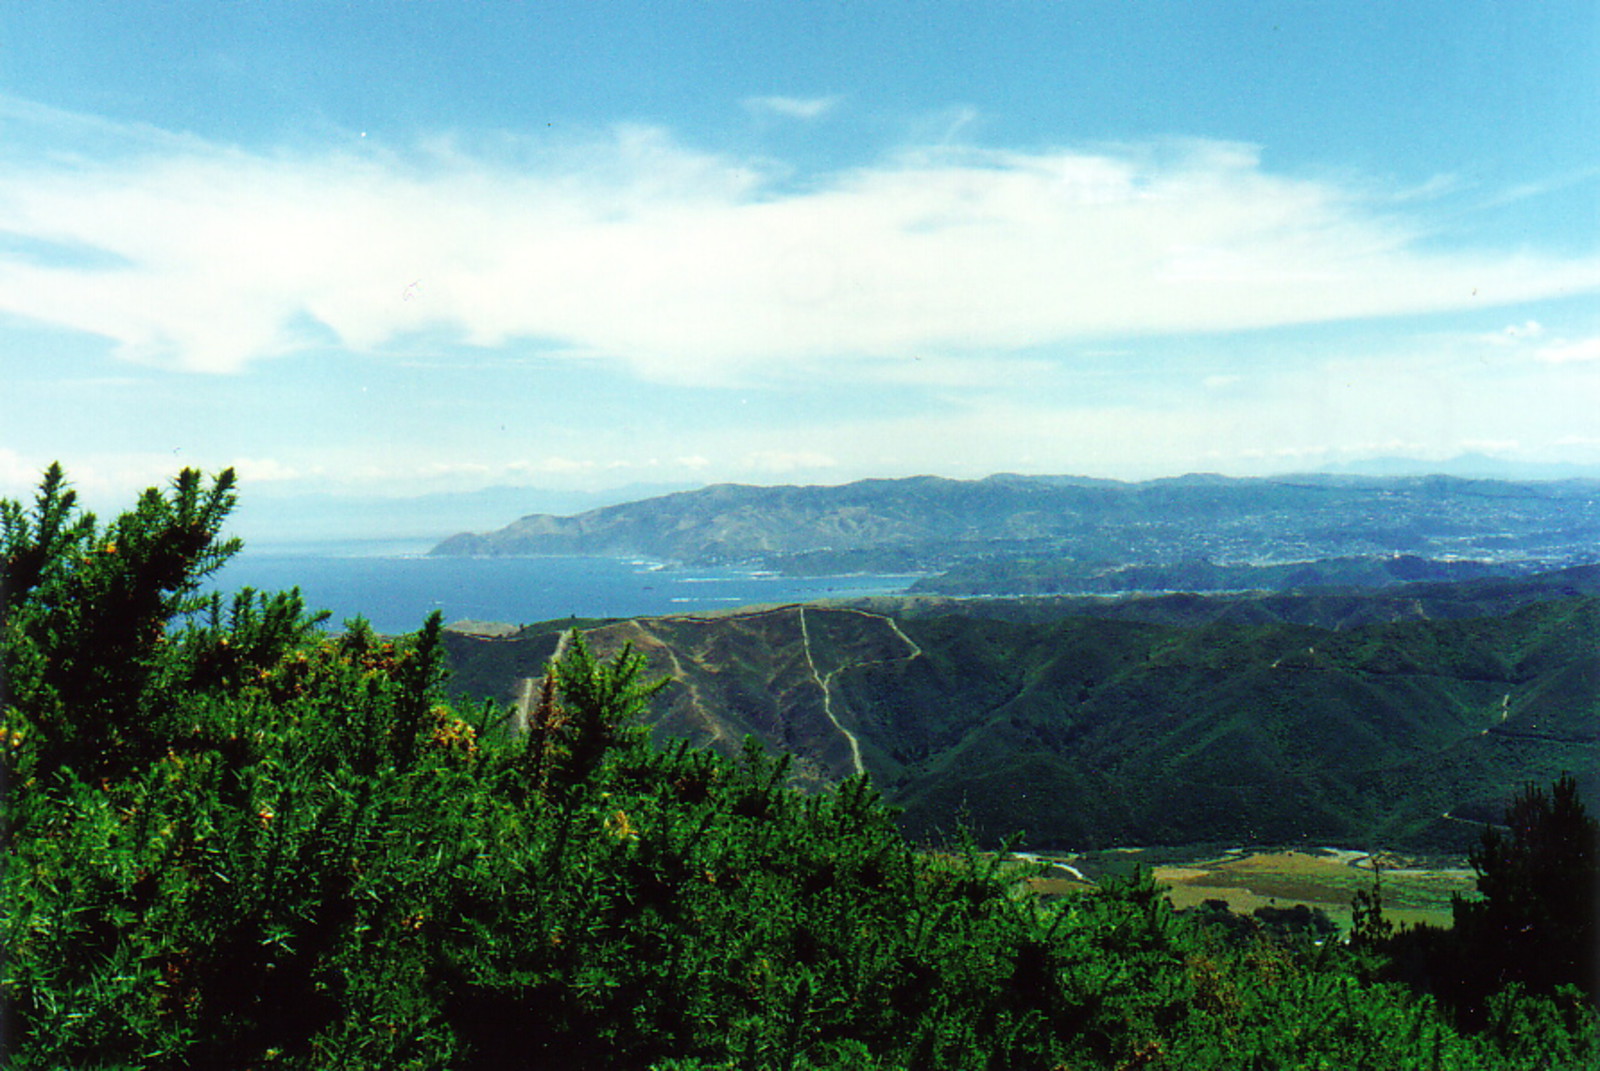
(396, 587)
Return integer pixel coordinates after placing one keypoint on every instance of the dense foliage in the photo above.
(233, 839)
(1089, 733)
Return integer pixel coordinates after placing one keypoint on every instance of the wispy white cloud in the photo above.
(1564, 351)
(1521, 332)
(103, 481)
(266, 470)
(1421, 396)
(784, 462)
(1530, 190)
(793, 107)
(693, 267)
(1531, 340)
(18, 475)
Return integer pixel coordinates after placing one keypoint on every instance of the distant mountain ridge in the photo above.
(928, 522)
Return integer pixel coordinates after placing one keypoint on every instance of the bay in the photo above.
(395, 586)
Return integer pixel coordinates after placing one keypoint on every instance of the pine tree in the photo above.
(1535, 924)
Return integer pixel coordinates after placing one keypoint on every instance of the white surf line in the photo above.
(827, 698)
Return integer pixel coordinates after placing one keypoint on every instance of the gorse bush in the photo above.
(234, 839)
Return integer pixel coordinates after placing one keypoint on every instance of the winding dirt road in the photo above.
(528, 688)
(825, 681)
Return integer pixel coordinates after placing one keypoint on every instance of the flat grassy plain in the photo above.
(1415, 890)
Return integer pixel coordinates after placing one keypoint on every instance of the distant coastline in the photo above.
(395, 592)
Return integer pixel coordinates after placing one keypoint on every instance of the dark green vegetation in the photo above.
(1535, 926)
(1057, 576)
(1320, 607)
(1093, 732)
(1075, 528)
(232, 840)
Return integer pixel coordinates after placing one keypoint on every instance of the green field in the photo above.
(1414, 890)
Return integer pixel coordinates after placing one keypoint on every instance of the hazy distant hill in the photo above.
(1087, 732)
(931, 523)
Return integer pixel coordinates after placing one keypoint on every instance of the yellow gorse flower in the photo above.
(620, 827)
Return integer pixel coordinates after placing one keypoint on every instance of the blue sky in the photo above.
(396, 249)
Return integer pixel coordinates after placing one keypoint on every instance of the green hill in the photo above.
(1087, 732)
(1323, 607)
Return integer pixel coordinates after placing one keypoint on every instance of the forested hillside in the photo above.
(1090, 732)
(1330, 607)
(1022, 575)
(236, 839)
